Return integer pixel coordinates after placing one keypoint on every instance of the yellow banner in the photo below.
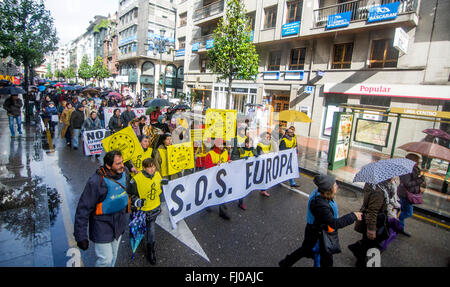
(126, 142)
(220, 124)
(180, 157)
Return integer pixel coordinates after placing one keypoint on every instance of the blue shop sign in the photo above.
(290, 29)
(339, 20)
(195, 46)
(180, 53)
(383, 12)
(209, 43)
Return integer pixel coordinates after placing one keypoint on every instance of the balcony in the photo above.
(208, 11)
(360, 10)
(204, 42)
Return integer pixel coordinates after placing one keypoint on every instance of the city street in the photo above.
(37, 234)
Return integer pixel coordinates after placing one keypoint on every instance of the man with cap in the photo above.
(76, 122)
(127, 116)
(321, 212)
(13, 106)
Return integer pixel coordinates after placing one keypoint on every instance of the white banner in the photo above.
(228, 182)
(93, 141)
(109, 112)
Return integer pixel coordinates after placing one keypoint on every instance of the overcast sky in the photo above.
(71, 17)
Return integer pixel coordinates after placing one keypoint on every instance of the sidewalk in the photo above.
(25, 238)
(313, 160)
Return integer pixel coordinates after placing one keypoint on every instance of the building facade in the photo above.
(142, 25)
(110, 51)
(317, 56)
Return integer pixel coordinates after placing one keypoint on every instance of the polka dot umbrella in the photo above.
(382, 170)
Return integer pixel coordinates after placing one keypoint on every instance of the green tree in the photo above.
(59, 75)
(233, 55)
(69, 73)
(49, 74)
(99, 70)
(26, 35)
(85, 70)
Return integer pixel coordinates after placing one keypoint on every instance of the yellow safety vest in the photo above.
(290, 143)
(241, 140)
(245, 153)
(164, 166)
(215, 157)
(149, 189)
(265, 147)
(138, 161)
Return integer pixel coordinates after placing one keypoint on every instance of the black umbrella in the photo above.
(157, 103)
(182, 107)
(11, 90)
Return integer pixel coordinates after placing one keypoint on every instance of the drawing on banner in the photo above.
(126, 142)
(180, 157)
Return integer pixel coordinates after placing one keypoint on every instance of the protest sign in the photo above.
(126, 142)
(228, 182)
(109, 112)
(93, 141)
(180, 157)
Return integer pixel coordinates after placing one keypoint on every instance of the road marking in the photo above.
(432, 221)
(182, 233)
(295, 190)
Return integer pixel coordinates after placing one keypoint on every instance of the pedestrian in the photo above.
(264, 147)
(162, 124)
(127, 116)
(115, 124)
(200, 156)
(143, 124)
(161, 158)
(76, 122)
(289, 141)
(135, 165)
(426, 161)
(92, 122)
(138, 104)
(323, 219)
(66, 131)
(409, 183)
(135, 126)
(101, 112)
(246, 152)
(154, 116)
(51, 113)
(215, 157)
(86, 108)
(145, 193)
(13, 106)
(372, 227)
(393, 206)
(102, 206)
(241, 136)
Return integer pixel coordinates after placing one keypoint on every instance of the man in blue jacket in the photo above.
(103, 204)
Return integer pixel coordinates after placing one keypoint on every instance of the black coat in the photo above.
(410, 182)
(102, 228)
(323, 214)
(13, 107)
(77, 119)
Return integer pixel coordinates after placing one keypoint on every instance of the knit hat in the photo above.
(324, 182)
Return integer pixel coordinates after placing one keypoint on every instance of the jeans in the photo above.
(292, 182)
(406, 211)
(76, 137)
(107, 253)
(18, 122)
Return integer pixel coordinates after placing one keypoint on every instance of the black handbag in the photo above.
(330, 241)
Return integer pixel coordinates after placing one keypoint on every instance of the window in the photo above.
(274, 61)
(148, 69)
(342, 56)
(251, 20)
(383, 54)
(203, 63)
(294, 11)
(270, 17)
(183, 19)
(297, 60)
(182, 43)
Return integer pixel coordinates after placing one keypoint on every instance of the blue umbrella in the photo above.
(382, 170)
(41, 88)
(138, 227)
(157, 103)
(11, 90)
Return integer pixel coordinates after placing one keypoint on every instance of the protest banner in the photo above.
(220, 124)
(228, 182)
(109, 112)
(93, 141)
(180, 157)
(126, 142)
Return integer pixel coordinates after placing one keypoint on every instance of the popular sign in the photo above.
(228, 182)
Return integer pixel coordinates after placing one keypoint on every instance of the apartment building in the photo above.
(142, 26)
(318, 55)
(110, 51)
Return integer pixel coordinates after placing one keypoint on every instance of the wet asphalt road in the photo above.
(258, 237)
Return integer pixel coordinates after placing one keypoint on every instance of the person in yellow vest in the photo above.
(200, 156)
(246, 151)
(135, 165)
(216, 156)
(161, 159)
(289, 141)
(241, 136)
(145, 191)
(263, 147)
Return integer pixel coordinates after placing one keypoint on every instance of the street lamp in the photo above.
(160, 45)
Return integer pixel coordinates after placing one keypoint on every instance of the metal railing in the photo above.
(208, 10)
(202, 40)
(360, 9)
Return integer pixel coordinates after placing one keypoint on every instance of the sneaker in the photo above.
(242, 206)
(295, 185)
(263, 192)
